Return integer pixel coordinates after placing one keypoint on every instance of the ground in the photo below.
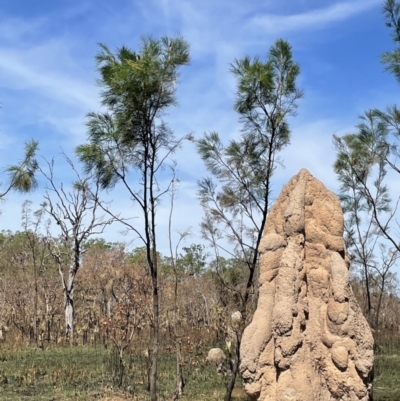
(89, 373)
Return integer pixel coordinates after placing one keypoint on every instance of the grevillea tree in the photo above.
(237, 199)
(131, 144)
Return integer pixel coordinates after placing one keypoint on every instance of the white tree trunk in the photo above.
(109, 307)
(69, 298)
(69, 317)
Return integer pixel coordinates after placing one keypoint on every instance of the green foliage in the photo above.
(361, 167)
(391, 59)
(230, 272)
(266, 96)
(22, 175)
(363, 160)
(138, 89)
(190, 262)
(93, 244)
(364, 157)
(237, 204)
(15, 252)
(267, 92)
(138, 257)
(193, 260)
(357, 156)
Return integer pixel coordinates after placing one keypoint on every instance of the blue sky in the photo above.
(48, 79)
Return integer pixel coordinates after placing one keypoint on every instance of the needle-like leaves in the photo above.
(22, 175)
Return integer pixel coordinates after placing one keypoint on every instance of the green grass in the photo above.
(88, 373)
(387, 371)
(60, 373)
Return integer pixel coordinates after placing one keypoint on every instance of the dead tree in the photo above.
(76, 213)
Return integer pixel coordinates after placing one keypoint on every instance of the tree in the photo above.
(132, 136)
(361, 169)
(193, 260)
(363, 161)
(267, 95)
(22, 176)
(173, 261)
(76, 214)
(391, 12)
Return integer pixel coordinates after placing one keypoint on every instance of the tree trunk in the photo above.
(154, 356)
(179, 378)
(109, 308)
(69, 299)
(121, 367)
(378, 308)
(235, 367)
(69, 316)
(48, 331)
(69, 306)
(48, 317)
(368, 293)
(35, 307)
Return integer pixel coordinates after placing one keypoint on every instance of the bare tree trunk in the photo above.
(69, 317)
(179, 378)
(121, 367)
(236, 363)
(35, 306)
(48, 336)
(46, 297)
(154, 356)
(378, 308)
(206, 305)
(368, 290)
(69, 307)
(109, 307)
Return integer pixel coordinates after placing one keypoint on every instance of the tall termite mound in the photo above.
(308, 340)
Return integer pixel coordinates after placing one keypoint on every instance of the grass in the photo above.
(59, 373)
(87, 373)
(387, 371)
(90, 373)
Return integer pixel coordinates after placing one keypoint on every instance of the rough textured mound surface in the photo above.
(308, 340)
(216, 356)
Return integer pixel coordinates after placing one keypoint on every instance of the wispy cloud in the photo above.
(29, 71)
(313, 19)
(14, 29)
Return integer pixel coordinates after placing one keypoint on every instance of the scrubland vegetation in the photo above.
(81, 318)
(109, 354)
(112, 343)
